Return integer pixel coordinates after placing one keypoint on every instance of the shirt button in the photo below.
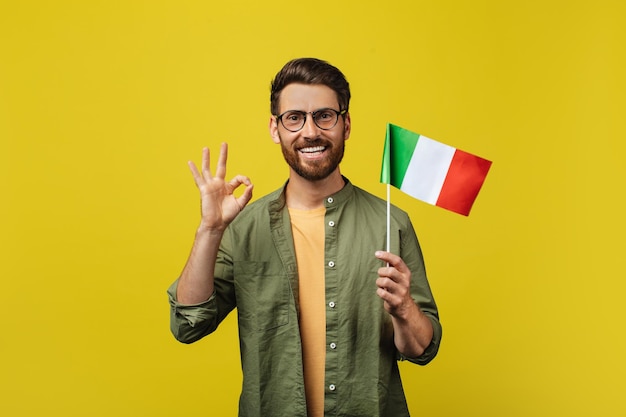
(331, 264)
(330, 200)
(331, 304)
(332, 387)
(331, 223)
(333, 345)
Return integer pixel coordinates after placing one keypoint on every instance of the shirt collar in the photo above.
(334, 200)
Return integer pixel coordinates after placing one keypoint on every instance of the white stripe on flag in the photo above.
(427, 170)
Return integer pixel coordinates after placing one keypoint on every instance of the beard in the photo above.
(313, 170)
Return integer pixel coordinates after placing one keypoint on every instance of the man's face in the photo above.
(312, 153)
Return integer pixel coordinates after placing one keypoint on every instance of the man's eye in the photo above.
(293, 117)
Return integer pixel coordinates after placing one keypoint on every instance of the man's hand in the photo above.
(219, 206)
(394, 282)
(413, 331)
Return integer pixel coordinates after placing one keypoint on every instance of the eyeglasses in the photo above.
(325, 119)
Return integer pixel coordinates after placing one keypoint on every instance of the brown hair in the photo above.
(310, 71)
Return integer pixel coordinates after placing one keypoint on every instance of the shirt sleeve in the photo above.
(431, 351)
(190, 323)
(421, 292)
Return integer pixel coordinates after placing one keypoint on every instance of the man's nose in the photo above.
(310, 129)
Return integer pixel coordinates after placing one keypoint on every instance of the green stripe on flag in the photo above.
(399, 146)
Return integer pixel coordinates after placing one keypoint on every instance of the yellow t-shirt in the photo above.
(308, 236)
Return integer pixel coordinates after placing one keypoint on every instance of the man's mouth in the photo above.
(312, 149)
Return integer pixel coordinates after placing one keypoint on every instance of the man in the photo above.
(323, 313)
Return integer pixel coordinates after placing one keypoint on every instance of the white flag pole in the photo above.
(388, 219)
(387, 176)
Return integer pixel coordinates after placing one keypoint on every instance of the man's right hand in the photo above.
(219, 206)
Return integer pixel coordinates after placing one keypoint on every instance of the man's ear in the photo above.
(347, 126)
(274, 129)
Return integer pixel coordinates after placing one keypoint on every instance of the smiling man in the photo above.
(323, 313)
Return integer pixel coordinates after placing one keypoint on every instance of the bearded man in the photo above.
(323, 313)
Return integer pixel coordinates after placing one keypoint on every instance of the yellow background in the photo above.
(103, 102)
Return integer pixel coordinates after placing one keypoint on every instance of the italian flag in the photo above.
(432, 171)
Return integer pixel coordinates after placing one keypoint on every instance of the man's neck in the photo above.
(303, 194)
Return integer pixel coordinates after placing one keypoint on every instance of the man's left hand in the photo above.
(394, 281)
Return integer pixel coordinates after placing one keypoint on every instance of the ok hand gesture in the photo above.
(219, 206)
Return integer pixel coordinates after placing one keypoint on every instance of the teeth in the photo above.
(313, 149)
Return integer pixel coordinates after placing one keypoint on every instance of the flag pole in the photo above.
(388, 218)
(386, 175)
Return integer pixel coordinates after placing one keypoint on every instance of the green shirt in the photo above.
(256, 272)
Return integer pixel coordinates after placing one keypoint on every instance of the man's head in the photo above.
(310, 118)
(310, 71)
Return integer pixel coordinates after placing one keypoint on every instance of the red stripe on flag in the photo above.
(465, 176)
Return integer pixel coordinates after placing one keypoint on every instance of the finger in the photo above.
(237, 181)
(387, 283)
(382, 293)
(206, 163)
(392, 260)
(388, 297)
(194, 171)
(245, 197)
(220, 172)
(389, 291)
(383, 282)
(247, 193)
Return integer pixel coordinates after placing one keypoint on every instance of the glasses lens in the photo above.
(293, 120)
(325, 118)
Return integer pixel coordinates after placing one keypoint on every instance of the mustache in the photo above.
(307, 143)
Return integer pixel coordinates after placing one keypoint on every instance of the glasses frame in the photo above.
(312, 113)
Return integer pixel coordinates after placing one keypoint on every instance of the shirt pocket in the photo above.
(262, 292)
